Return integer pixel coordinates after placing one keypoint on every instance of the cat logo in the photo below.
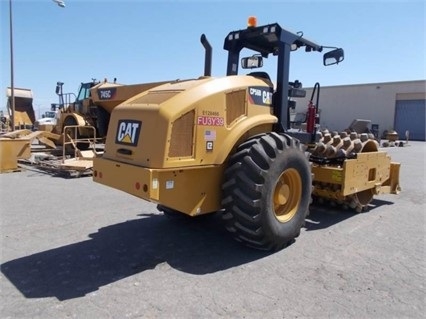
(128, 132)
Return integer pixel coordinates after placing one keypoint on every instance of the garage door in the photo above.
(410, 116)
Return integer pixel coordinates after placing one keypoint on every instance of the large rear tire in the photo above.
(267, 191)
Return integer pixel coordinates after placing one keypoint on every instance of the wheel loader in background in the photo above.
(224, 145)
(90, 109)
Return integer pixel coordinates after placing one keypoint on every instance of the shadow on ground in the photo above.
(324, 216)
(196, 246)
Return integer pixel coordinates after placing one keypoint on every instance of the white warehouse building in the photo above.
(398, 106)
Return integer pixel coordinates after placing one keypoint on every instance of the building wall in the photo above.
(340, 105)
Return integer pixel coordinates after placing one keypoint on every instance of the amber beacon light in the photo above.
(252, 22)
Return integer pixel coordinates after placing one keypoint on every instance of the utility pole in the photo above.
(12, 85)
(60, 3)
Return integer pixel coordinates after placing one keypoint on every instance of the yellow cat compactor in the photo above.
(224, 145)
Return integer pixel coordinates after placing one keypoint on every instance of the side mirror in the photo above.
(255, 61)
(333, 57)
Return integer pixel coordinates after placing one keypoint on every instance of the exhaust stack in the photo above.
(208, 57)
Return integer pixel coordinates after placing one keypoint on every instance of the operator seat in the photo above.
(262, 75)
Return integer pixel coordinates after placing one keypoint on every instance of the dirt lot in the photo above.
(71, 248)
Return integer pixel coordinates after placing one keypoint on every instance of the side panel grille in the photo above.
(235, 105)
(182, 136)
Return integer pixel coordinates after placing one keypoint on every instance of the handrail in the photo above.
(74, 141)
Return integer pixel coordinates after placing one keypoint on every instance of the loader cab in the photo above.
(273, 40)
(84, 91)
(83, 100)
(70, 100)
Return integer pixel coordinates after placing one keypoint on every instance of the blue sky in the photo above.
(140, 41)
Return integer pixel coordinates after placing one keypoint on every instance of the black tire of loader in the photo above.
(69, 121)
(250, 191)
(102, 121)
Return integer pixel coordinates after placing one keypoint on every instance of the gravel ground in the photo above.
(71, 248)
